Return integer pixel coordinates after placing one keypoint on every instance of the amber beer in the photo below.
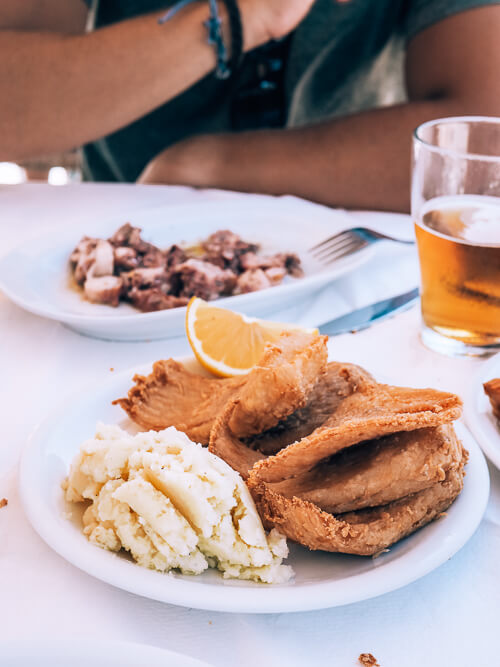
(459, 246)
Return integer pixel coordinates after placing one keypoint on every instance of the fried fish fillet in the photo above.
(492, 390)
(347, 407)
(378, 472)
(279, 384)
(336, 383)
(365, 532)
(276, 387)
(371, 411)
(172, 396)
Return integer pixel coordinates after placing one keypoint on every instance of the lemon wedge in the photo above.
(228, 343)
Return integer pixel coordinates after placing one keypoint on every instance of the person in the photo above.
(359, 76)
(62, 86)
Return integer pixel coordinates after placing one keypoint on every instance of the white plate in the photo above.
(79, 653)
(36, 275)
(478, 412)
(322, 579)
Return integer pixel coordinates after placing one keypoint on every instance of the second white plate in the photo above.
(36, 275)
(478, 412)
(94, 653)
(322, 579)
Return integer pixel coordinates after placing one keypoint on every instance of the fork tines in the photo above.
(340, 245)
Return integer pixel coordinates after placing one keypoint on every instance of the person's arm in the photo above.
(58, 91)
(363, 160)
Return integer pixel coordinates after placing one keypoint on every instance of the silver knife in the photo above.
(364, 317)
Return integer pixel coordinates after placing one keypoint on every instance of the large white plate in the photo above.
(78, 653)
(478, 412)
(36, 276)
(322, 579)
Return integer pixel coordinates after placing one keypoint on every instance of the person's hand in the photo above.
(193, 161)
(264, 20)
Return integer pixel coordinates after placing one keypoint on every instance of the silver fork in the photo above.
(348, 242)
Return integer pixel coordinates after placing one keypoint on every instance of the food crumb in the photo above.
(209, 622)
(368, 660)
(111, 369)
(4, 502)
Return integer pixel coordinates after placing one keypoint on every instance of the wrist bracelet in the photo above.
(236, 27)
(225, 67)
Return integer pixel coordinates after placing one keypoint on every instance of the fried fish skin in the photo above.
(338, 381)
(333, 385)
(173, 396)
(492, 390)
(276, 387)
(379, 472)
(365, 532)
(370, 412)
(280, 383)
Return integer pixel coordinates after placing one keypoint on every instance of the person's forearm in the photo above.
(359, 161)
(60, 91)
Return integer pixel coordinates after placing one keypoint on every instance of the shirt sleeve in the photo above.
(423, 13)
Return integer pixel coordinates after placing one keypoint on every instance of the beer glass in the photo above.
(456, 210)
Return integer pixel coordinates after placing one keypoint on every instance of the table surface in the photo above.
(447, 618)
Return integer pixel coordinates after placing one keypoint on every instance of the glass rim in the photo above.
(492, 120)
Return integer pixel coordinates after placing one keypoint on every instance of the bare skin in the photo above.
(61, 87)
(362, 160)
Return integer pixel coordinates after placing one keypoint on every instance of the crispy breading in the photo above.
(378, 472)
(365, 532)
(276, 387)
(333, 386)
(172, 396)
(492, 389)
(372, 411)
(279, 384)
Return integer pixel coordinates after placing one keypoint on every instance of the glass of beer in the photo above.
(456, 210)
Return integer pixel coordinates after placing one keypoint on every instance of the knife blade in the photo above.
(361, 318)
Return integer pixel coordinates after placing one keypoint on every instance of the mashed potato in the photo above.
(173, 505)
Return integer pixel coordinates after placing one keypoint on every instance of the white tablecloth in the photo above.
(450, 617)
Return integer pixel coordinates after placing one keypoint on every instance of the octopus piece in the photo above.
(366, 532)
(82, 258)
(252, 280)
(104, 260)
(126, 259)
(198, 278)
(146, 277)
(379, 472)
(287, 262)
(492, 390)
(154, 298)
(275, 274)
(174, 255)
(103, 289)
(224, 248)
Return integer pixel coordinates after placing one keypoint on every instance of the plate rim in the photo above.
(313, 282)
(9, 648)
(187, 594)
(475, 419)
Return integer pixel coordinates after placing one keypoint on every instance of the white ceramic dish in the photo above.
(36, 275)
(478, 412)
(322, 579)
(79, 653)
